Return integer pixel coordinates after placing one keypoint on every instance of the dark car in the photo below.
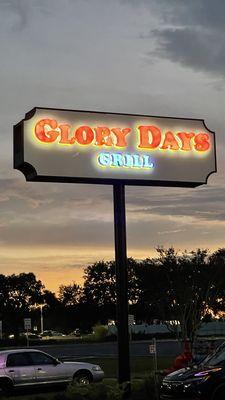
(205, 381)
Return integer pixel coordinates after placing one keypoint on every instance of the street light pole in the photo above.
(42, 324)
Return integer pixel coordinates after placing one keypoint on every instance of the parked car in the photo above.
(29, 367)
(205, 381)
(51, 333)
(31, 336)
(76, 333)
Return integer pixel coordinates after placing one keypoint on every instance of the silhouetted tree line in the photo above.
(171, 287)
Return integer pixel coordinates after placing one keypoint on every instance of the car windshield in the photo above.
(217, 358)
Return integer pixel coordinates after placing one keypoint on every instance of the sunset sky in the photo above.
(154, 57)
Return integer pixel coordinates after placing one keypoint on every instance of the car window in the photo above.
(41, 358)
(216, 359)
(18, 360)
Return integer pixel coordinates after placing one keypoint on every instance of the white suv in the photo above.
(29, 367)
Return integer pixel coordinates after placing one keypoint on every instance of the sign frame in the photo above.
(31, 174)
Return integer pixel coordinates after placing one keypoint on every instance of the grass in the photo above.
(140, 366)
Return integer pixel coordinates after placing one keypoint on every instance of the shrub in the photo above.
(145, 389)
(100, 332)
(60, 396)
(97, 391)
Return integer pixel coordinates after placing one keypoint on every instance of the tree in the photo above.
(181, 288)
(217, 266)
(100, 288)
(54, 314)
(70, 295)
(18, 294)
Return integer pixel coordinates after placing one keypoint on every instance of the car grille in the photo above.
(172, 387)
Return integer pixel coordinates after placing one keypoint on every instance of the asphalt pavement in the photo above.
(167, 348)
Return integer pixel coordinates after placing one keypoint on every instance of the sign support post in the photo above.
(121, 283)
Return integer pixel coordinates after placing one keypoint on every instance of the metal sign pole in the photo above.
(27, 338)
(121, 283)
(155, 354)
(42, 322)
(155, 368)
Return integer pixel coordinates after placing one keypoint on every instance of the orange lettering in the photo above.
(103, 136)
(84, 135)
(170, 142)
(121, 136)
(186, 140)
(44, 135)
(144, 136)
(65, 134)
(202, 142)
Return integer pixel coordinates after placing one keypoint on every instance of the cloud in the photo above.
(197, 48)
(191, 33)
(18, 13)
(66, 215)
(196, 208)
(89, 55)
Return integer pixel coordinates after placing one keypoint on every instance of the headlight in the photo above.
(197, 380)
(96, 368)
(207, 372)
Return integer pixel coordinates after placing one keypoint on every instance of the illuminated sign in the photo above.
(93, 147)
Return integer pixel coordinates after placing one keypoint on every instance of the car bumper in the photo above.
(98, 376)
(177, 391)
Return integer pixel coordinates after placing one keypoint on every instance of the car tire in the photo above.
(219, 393)
(82, 378)
(5, 387)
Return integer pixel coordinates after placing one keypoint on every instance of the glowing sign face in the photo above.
(81, 146)
(150, 136)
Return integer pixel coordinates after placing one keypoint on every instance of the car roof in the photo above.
(19, 350)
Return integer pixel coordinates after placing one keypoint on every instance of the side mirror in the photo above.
(56, 362)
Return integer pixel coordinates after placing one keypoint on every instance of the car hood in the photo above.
(189, 373)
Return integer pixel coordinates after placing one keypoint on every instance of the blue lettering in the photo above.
(117, 160)
(147, 163)
(104, 159)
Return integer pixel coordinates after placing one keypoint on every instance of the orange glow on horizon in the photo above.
(56, 266)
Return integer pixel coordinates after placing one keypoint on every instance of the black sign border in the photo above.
(31, 174)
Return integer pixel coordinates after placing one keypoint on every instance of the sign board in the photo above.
(131, 320)
(152, 348)
(27, 324)
(95, 147)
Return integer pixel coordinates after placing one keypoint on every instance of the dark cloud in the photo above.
(191, 33)
(206, 14)
(200, 205)
(200, 50)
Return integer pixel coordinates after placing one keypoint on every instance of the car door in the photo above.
(19, 367)
(48, 369)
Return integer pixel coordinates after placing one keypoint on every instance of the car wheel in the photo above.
(5, 387)
(82, 378)
(219, 394)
